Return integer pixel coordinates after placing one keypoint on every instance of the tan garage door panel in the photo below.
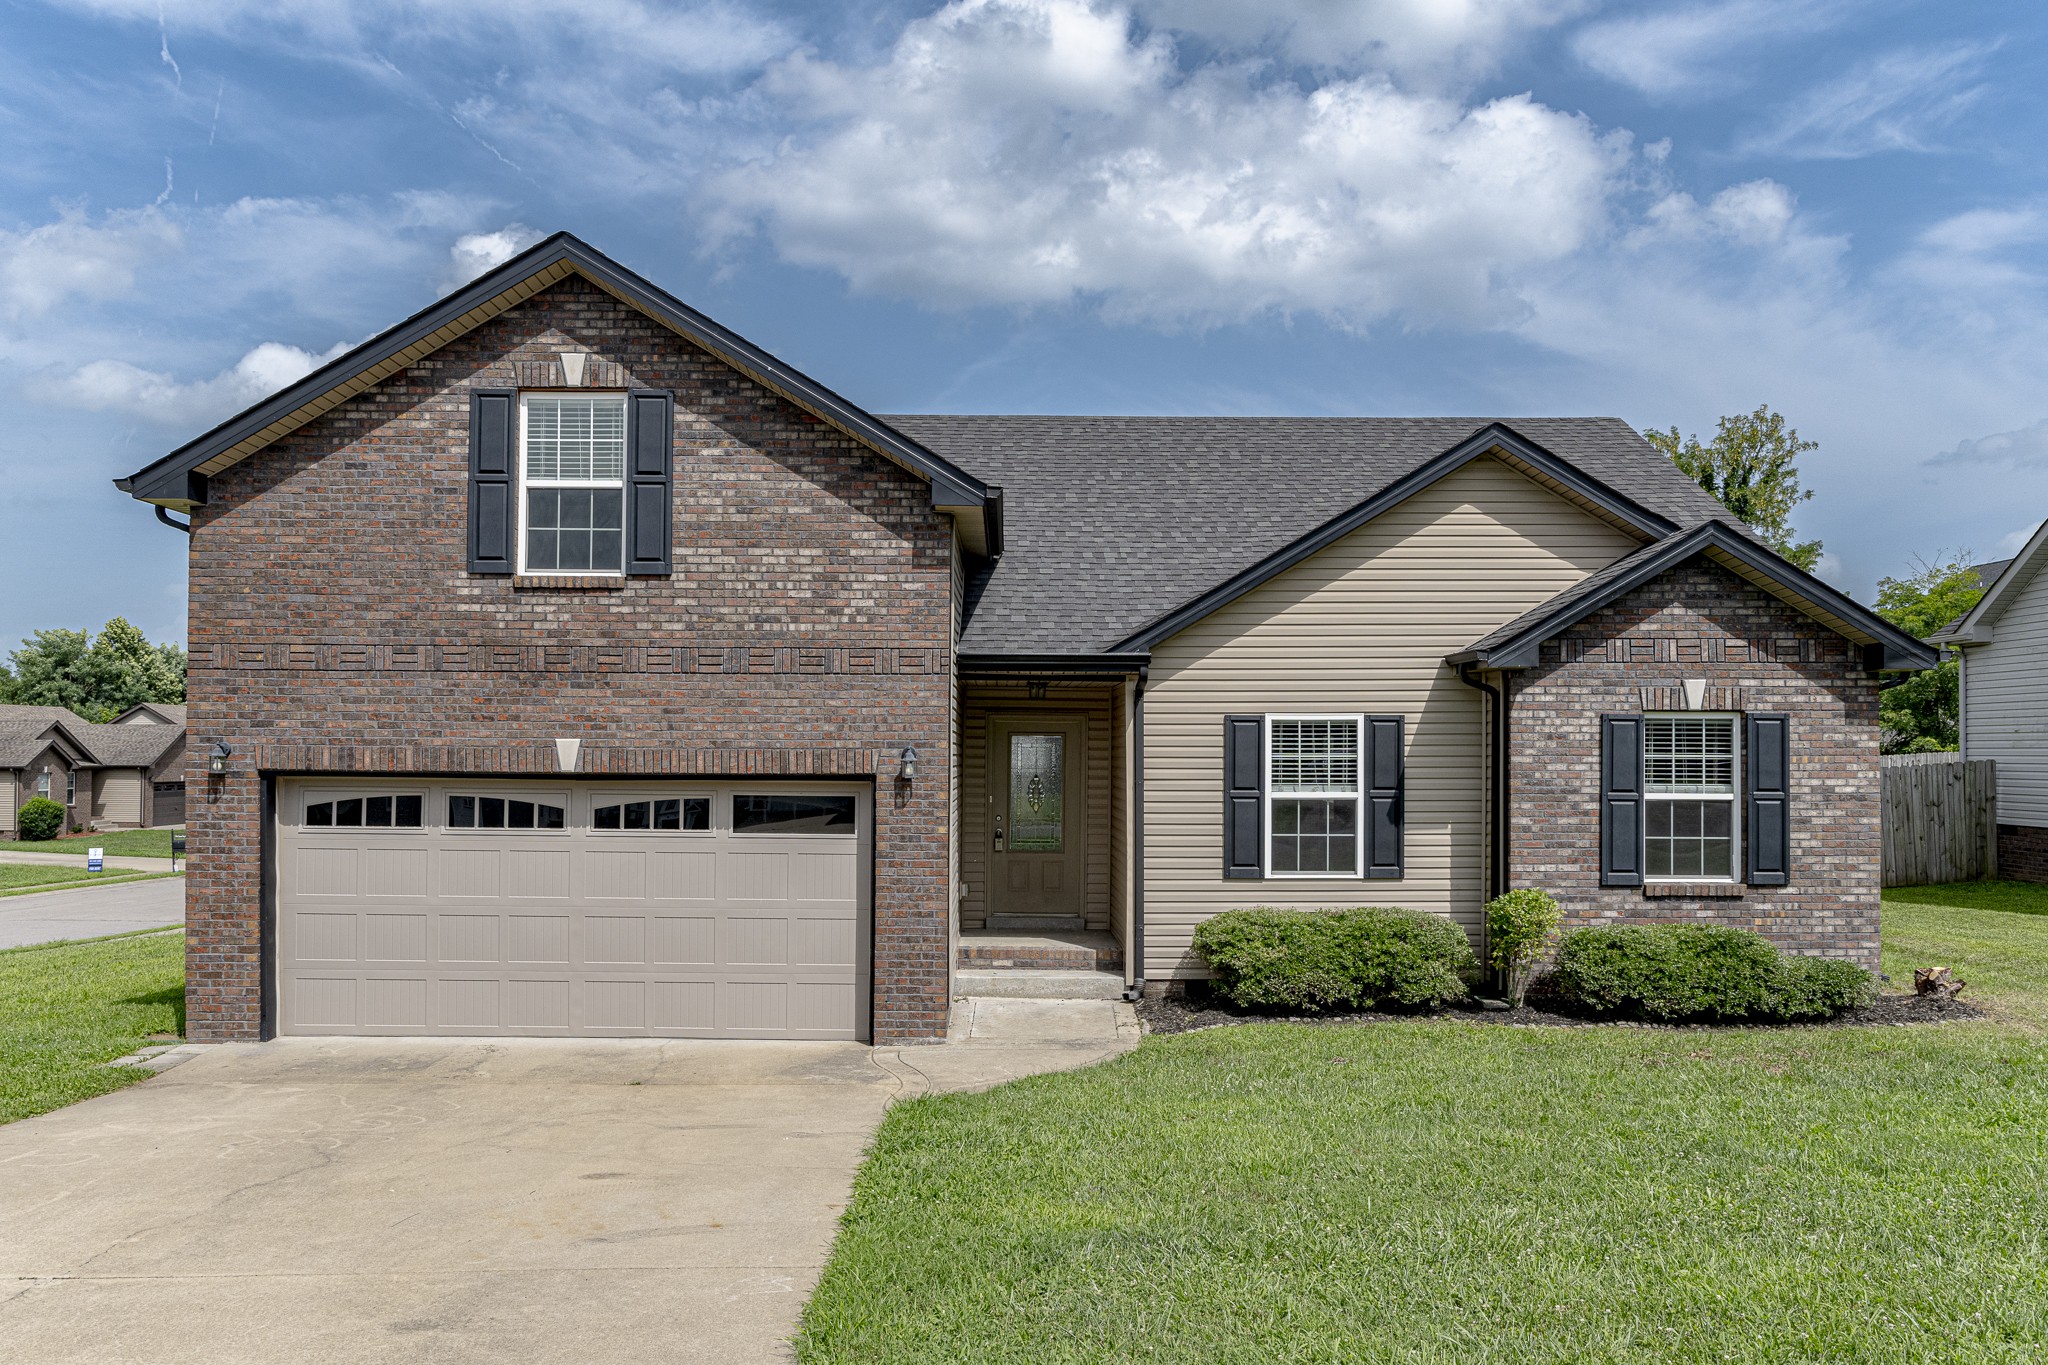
(574, 909)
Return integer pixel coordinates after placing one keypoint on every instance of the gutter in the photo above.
(1136, 948)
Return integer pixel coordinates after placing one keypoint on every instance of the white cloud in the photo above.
(74, 257)
(2026, 447)
(1677, 51)
(1897, 102)
(154, 396)
(476, 252)
(1405, 38)
(713, 36)
(1977, 255)
(1038, 152)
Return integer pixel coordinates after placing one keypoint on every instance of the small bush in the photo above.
(1818, 988)
(1330, 959)
(1521, 927)
(1700, 972)
(39, 818)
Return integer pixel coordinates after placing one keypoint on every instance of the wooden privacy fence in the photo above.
(1940, 819)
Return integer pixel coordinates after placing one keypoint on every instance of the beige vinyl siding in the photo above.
(10, 801)
(978, 705)
(1362, 626)
(2005, 706)
(117, 795)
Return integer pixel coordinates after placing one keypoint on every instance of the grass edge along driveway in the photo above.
(28, 879)
(66, 1009)
(1442, 1191)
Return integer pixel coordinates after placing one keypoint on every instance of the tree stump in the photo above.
(1937, 981)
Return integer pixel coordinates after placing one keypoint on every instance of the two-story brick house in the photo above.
(562, 663)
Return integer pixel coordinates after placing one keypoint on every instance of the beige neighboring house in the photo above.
(129, 774)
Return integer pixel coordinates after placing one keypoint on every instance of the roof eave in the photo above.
(1886, 647)
(169, 482)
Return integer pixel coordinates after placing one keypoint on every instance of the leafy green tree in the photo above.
(1749, 466)
(98, 678)
(1923, 713)
(50, 670)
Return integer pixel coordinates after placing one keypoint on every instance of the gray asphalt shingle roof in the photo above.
(1112, 522)
(24, 731)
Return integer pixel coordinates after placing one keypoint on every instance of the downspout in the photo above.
(1136, 990)
(165, 517)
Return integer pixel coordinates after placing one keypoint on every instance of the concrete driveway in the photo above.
(402, 1200)
(90, 911)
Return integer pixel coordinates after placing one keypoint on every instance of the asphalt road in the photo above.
(90, 911)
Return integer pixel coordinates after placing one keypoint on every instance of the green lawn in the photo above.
(124, 843)
(21, 879)
(67, 1008)
(1443, 1191)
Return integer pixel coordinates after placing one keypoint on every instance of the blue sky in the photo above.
(1492, 207)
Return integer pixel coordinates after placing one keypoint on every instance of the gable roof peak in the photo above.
(178, 480)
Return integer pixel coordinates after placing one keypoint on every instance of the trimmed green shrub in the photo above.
(1699, 972)
(1521, 927)
(1314, 960)
(1818, 988)
(39, 818)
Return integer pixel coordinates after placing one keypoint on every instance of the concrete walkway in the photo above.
(482, 1200)
(89, 911)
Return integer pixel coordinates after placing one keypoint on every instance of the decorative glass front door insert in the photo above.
(1038, 784)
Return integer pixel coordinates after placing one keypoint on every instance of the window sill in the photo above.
(558, 582)
(1727, 891)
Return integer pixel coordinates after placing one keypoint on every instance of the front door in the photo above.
(1038, 822)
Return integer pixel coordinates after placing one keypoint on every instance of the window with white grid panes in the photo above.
(1313, 766)
(1691, 781)
(572, 509)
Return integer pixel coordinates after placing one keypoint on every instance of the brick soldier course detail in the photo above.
(1696, 622)
(805, 631)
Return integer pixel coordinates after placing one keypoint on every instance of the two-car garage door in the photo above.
(572, 909)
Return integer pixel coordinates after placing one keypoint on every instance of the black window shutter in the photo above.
(650, 447)
(1770, 800)
(1621, 800)
(1244, 796)
(493, 424)
(1384, 778)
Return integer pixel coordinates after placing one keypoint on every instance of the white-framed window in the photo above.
(572, 483)
(1692, 767)
(1314, 765)
(43, 784)
(71, 787)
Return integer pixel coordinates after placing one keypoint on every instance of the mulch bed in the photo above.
(1200, 1010)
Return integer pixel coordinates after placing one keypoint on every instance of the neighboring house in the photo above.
(573, 666)
(124, 775)
(2002, 646)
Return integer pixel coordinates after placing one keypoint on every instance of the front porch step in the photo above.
(1038, 924)
(1038, 983)
(1073, 951)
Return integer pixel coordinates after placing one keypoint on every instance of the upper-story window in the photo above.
(572, 461)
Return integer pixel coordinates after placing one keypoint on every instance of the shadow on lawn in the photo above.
(174, 996)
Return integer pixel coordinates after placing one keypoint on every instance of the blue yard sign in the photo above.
(95, 860)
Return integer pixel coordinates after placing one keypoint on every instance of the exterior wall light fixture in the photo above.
(217, 757)
(908, 772)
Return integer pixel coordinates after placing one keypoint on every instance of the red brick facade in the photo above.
(1700, 622)
(2023, 853)
(806, 630)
